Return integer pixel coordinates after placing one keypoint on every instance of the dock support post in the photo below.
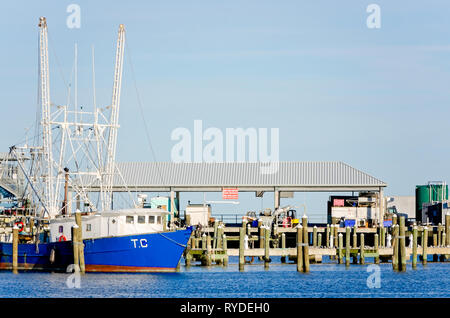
(402, 243)
(394, 220)
(347, 246)
(224, 247)
(306, 244)
(208, 251)
(261, 236)
(266, 248)
(241, 248)
(283, 246)
(425, 245)
(204, 242)
(447, 230)
(327, 240)
(315, 236)
(215, 235)
(76, 246)
(361, 256)
(341, 247)
(319, 239)
(188, 259)
(15, 251)
(299, 248)
(336, 233)
(80, 241)
(377, 251)
(414, 248)
(355, 245)
(395, 248)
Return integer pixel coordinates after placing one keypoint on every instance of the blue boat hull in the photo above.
(153, 252)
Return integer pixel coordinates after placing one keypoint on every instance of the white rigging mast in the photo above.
(82, 141)
(46, 117)
(114, 118)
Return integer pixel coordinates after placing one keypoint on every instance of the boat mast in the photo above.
(114, 119)
(46, 119)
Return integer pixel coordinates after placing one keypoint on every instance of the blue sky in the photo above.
(377, 99)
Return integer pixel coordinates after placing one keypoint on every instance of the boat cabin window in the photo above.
(151, 219)
(88, 227)
(130, 219)
(141, 219)
(159, 219)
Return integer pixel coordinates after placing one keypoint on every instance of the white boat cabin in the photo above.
(110, 223)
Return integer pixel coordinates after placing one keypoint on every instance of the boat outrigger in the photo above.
(135, 239)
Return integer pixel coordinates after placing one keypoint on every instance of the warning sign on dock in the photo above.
(230, 194)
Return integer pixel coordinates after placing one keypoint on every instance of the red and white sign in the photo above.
(338, 202)
(230, 194)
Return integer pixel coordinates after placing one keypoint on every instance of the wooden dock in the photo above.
(398, 244)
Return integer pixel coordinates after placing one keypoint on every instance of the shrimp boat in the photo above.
(130, 239)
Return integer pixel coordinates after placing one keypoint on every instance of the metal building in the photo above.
(282, 178)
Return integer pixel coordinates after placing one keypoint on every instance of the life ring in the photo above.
(20, 225)
(62, 238)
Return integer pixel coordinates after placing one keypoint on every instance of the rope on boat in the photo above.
(168, 238)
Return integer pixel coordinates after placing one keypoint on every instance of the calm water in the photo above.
(281, 280)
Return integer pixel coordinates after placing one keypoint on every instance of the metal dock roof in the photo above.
(247, 176)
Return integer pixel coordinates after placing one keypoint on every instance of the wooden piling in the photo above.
(336, 233)
(447, 230)
(347, 246)
(382, 236)
(315, 236)
(395, 248)
(376, 247)
(355, 238)
(299, 248)
(439, 235)
(204, 242)
(215, 235)
(266, 248)
(425, 245)
(225, 247)
(394, 219)
(261, 236)
(402, 242)
(327, 241)
(305, 244)
(341, 247)
(283, 246)
(414, 248)
(319, 239)
(361, 249)
(75, 247)
(208, 251)
(80, 241)
(241, 248)
(15, 251)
